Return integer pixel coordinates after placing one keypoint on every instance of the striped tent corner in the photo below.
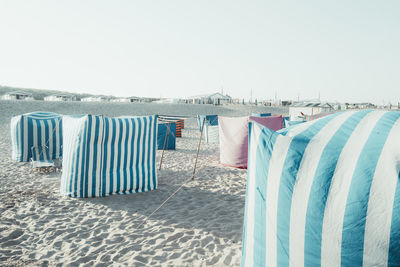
(166, 136)
(36, 135)
(104, 156)
(208, 120)
(324, 193)
(287, 122)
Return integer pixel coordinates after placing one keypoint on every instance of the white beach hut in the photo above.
(298, 109)
(96, 99)
(215, 99)
(60, 97)
(17, 95)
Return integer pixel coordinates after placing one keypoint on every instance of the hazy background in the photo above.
(345, 50)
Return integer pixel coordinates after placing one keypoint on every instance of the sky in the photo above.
(347, 51)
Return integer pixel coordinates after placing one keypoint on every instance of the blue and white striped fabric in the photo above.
(104, 156)
(39, 130)
(325, 193)
(211, 134)
(208, 120)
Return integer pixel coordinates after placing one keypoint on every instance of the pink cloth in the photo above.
(274, 123)
(234, 135)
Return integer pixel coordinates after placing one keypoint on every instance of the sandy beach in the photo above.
(200, 226)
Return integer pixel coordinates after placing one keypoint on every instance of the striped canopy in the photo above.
(104, 156)
(325, 193)
(233, 138)
(36, 132)
(166, 136)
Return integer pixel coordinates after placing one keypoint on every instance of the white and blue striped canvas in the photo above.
(36, 132)
(104, 156)
(211, 134)
(325, 193)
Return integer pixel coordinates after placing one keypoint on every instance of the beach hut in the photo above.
(298, 109)
(36, 132)
(215, 99)
(60, 97)
(166, 138)
(96, 99)
(233, 137)
(126, 100)
(324, 193)
(104, 156)
(17, 95)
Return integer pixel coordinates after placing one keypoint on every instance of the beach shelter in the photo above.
(261, 114)
(166, 136)
(325, 193)
(104, 156)
(179, 123)
(209, 120)
(36, 135)
(174, 117)
(233, 137)
(211, 133)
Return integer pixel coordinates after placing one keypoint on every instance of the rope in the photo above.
(165, 201)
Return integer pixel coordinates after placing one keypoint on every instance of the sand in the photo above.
(200, 226)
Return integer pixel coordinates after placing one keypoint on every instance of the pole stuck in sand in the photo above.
(165, 143)
(198, 148)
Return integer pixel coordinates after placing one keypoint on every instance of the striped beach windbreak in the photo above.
(325, 193)
(36, 132)
(234, 138)
(104, 156)
(166, 138)
(208, 120)
(211, 133)
(178, 124)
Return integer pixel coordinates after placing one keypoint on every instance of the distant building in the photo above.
(17, 95)
(307, 108)
(96, 99)
(60, 97)
(126, 100)
(359, 105)
(215, 99)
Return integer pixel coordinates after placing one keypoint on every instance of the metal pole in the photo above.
(198, 148)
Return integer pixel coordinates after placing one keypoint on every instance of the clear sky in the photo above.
(346, 50)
